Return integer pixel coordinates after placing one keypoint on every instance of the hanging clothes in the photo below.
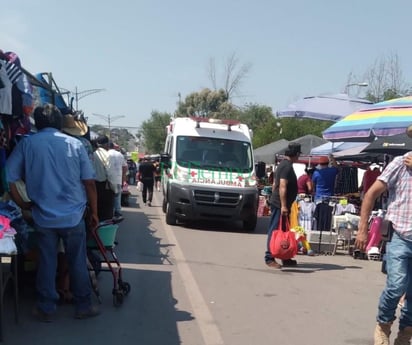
(306, 212)
(9, 76)
(323, 216)
(342, 209)
(293, 218)
(347, 181)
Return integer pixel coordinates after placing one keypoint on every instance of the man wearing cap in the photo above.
(60, 181)
(284, 192)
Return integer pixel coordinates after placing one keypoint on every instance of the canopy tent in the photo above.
(268, 152)
(351, 151)
(308, 142)
(395, 145)
(330, 147)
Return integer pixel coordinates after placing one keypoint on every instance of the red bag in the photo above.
(283, 244)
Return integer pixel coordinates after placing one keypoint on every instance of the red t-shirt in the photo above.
(302, 184)
(369, 178)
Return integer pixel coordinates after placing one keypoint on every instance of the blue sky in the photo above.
(144, 53)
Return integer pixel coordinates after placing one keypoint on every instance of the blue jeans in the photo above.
(273, 225)
(74, 240)
(398, 282)
(117, 202)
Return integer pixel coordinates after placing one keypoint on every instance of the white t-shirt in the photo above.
(115, 167)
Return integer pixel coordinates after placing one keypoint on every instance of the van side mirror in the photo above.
(165, 160)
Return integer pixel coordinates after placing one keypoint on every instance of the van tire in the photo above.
(164, 205)
(249, 225)
(170, 217)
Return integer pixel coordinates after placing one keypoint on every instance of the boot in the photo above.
(382, 332)
(404, 336)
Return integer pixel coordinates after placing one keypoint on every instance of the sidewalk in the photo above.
(136, 321)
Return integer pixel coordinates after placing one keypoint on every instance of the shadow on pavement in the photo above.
(148, 315)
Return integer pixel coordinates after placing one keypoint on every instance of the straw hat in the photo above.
(73, 127)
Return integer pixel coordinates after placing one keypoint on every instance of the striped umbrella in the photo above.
(380, 119)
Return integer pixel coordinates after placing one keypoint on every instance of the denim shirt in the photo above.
(53, 166)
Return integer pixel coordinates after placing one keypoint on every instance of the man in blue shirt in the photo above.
(60, 181)
(324, 179)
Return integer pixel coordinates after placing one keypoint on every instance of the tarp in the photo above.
(47, 96)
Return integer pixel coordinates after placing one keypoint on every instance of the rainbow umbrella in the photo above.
(380, 119)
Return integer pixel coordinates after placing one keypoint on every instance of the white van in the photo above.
(208, 172)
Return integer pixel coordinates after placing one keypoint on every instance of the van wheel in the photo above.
(249, 225)
(170, 217)
(164, 205)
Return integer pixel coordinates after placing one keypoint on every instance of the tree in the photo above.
(120, 136)
(206, 103)
(385, 79)
(152, 132)
(255, 116)
(233, 76)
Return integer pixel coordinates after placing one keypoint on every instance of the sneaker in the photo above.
(149, 203)
(118, 214)
(273, 264)
(289, 263)
(41, 315)
(91, 312)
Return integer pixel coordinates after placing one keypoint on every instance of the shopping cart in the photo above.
(101, 255)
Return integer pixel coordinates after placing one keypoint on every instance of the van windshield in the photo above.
(214, 154)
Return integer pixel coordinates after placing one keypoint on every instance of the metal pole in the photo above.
(109, 119)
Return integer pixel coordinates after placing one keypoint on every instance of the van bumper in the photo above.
(192, 202)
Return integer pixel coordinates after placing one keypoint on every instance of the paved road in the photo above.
(207, 285)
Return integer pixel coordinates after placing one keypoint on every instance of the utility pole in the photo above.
(109, 119)
(81, 94)
(78, 95)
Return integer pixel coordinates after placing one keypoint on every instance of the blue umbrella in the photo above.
(330, 107)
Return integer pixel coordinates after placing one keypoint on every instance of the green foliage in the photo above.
(387, 95)
(120, 136)
(206, 103)
(153, 132)
(254, 115)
